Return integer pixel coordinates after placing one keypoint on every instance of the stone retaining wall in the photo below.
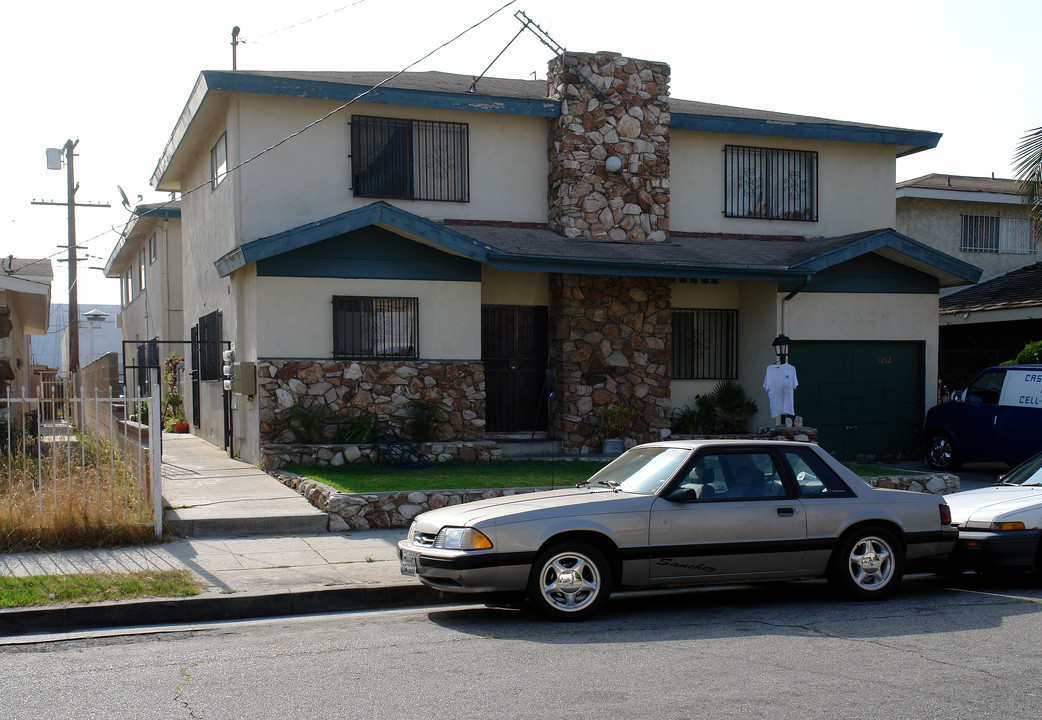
(363, 511)
(935, 483)
(383, 387)
(275, 455)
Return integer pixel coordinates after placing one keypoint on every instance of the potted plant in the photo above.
(614, 422)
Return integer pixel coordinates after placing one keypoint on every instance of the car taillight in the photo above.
(946, 514)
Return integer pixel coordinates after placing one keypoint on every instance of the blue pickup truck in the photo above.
(998, 417)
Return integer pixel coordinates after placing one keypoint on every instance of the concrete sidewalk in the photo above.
(259, 548)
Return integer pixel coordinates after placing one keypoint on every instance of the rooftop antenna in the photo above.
(235, 44)
(123, 195)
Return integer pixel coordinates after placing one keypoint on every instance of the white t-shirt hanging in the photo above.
(780, 382)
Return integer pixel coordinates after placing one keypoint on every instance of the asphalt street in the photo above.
(939, 649)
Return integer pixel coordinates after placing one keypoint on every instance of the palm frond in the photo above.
(1027, 168)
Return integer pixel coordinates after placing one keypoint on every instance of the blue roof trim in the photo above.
(535, 263)
(234, 82)
(920, 139)
(374, 214)
(888, 238)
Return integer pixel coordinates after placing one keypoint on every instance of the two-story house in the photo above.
(476, 244)
(982, 221)
(147, 263)
(25, 298)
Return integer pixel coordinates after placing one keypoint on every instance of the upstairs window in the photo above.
(374, 327)
(409, 159)
(141, 265)
(770, 184)
(219, 161)
(152, 248)
(705, 344)
(997, 234)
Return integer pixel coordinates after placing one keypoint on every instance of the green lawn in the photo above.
(53, 589)
(452, 475)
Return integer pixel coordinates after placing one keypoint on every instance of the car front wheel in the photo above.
(570, 581)
(941, 453)
(868, 564)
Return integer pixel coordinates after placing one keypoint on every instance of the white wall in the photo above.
(309, 178)
(855, 185)
(299, 313)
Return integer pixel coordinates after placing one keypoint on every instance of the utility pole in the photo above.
(54, 163)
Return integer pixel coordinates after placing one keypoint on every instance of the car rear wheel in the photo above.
(570, 581)
(868, 564)
(941, 453)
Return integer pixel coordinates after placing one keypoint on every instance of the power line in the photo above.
(347, 104)
(305, 22)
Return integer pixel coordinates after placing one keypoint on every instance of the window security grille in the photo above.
(210, 347)
(147, 355)
(374, 327)
(410, 159)
(770, 184)
(705, 344)
(997, 234)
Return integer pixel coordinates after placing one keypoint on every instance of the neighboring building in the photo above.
(25, 296)
(98, 336)
(147, 262)
(985, 222)
(429, 242)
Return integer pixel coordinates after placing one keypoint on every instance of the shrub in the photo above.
(357, 429)
(308, 424)
(615, 421)
(424, 418)
(1030, 355)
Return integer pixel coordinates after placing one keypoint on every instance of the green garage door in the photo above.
(865, 398)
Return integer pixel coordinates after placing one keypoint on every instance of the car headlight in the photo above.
(459, 538)
(412, 532)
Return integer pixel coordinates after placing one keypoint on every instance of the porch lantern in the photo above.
(781, 347)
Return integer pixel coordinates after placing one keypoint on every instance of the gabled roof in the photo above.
(1018, 288)
(495, 95)
(938, 186)
(523, 247)
(170, 210)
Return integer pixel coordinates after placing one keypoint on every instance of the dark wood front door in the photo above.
(514, 351)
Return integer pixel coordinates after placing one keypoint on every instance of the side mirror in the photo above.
(958, 395)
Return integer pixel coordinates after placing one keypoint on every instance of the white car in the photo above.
(1000, 526)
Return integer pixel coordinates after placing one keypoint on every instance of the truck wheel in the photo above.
(941, 453)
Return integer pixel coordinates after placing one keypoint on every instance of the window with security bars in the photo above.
(770, 184)
(705, 344)
(374, 327)
(997, 234)
(409, 159)
(209, 351)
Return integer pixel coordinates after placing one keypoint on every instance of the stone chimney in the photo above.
(611, 107)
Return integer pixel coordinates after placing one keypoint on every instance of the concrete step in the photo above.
(195, 522)
(518, 449)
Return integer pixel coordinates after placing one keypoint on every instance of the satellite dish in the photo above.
(126, 203)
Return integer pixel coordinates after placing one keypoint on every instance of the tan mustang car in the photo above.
(682, 513)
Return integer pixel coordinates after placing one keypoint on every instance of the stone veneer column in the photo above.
(610, 106)
(610, 345)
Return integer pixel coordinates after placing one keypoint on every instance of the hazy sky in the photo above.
(116, 75)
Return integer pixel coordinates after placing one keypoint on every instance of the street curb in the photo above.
(163, 611)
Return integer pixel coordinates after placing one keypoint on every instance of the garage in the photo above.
(865, 398)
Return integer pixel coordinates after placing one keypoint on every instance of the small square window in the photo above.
(374, 327)
(705, 344)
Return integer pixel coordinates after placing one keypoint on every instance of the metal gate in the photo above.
(514, 346)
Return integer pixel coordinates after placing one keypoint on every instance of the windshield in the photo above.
(1029, 473)
(642, 470)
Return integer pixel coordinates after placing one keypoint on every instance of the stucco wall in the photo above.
(722, 295)
(501, 287)
(938, 223)
(300, 309)
(309, 178)
(855, 185)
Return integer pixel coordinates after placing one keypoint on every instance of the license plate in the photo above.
(408, 560)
